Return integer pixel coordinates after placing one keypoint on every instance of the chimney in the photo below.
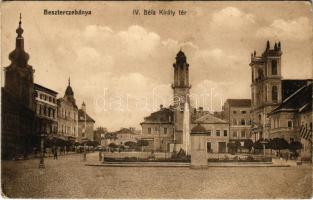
(161, 107)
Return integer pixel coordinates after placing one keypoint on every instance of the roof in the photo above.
(69, 91)
(65, 99)
(289, 86)
(210, 119)
(299, 101)
(81, 116)
(164, 115)
(125, 131)
(199, 129)
(239, 102)
(44, 89)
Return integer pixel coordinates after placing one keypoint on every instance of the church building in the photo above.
(18, 103)
(268, 89)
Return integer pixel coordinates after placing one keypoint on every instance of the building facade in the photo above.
(18, 103)
(265, 87)
(217, 132)
(46, 110)
(121, 136)
(158, 129)
(268, 89)
(292, 114)
(85, 125)
(68, 115)
(237, 112)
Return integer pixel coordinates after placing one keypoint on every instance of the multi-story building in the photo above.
(238, 113)
(18, 103)
(217, 132)
(46, 109)
(85, 125)
(158, 129)
(68, 115)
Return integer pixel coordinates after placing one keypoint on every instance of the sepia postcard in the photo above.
(156, 99)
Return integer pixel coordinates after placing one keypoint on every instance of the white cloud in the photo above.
(138, 41)
(232, 18)
(295, 30)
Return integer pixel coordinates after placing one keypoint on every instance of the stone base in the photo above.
(198, 166)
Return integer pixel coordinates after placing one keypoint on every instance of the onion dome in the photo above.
(18, 56)
(198, 130)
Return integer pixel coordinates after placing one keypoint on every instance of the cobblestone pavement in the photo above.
(68, 177)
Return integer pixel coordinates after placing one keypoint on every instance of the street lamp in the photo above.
(43, 131)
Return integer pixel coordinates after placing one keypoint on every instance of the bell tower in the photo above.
(19, 76)
(181, 89)
(266, 85)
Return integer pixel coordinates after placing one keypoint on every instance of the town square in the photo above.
(107, 105)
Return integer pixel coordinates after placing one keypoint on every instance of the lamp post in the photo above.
(43, 131)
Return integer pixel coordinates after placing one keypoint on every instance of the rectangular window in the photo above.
(243, 122)
(209, 132)
(243, 133)
(289, 124)
(243, 112)
(149, 130)
(234, 112)
(234, 121)
(225, 133)
(218, 133)
(165, 130)
(235, 134)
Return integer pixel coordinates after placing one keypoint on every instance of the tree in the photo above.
(237, 145)
(294, 146)
(142, 143)
(279, 144)
(248, 144)
(113, 145)
(231, 147)
(130, 144)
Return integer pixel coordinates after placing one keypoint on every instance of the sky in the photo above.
(121, 65)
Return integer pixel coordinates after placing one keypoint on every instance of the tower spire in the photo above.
(20, 30)
(69, 81)
(19, 56)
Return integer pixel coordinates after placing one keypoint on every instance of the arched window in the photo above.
(274, 94)
(274, 67)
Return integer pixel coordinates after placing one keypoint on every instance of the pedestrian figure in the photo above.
(55, 153)
(100, 155)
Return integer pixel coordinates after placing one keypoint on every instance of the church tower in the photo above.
(181, 88)
(266, 85)
(19, 76)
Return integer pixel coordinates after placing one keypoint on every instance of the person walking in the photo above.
(55, 153)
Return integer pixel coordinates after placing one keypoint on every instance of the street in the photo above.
(68, 177)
